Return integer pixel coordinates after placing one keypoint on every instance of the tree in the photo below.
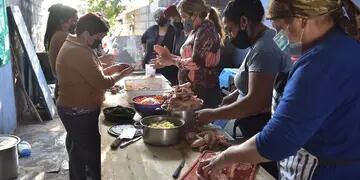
(109, 8)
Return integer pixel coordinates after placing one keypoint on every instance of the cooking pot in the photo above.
(187, 116)
(161, 137)
(9, 162)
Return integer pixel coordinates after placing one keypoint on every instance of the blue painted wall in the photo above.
(7, 100)
(7, 97)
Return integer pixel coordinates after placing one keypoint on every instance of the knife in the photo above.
(178, 169)
(124, 144)
(125, 134)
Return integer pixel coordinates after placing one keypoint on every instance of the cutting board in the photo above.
(243, 171)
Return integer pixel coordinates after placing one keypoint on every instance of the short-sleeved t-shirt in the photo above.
(263, 57)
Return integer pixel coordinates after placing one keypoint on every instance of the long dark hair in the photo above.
(58, 14)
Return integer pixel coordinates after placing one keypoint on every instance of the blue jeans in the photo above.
(82, 142)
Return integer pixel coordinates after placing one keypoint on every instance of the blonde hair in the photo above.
(201, 9)
(284, 9)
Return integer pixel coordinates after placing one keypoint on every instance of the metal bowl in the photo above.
(187, 116)
(161, 137)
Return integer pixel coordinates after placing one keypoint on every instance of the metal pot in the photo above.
(9, 162)
(187, 116)
(161, 137)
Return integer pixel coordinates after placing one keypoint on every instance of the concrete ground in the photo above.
(49, 159)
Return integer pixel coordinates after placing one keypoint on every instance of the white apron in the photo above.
(300, 166)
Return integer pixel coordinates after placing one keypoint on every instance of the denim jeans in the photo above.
(82, 142)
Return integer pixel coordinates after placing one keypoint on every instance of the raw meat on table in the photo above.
(239, 171)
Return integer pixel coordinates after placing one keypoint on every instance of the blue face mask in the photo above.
(188, 25)
(282, 41)
(292, 49)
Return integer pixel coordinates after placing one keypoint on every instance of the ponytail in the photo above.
(58, 14)
(351, 23)
(214, 17)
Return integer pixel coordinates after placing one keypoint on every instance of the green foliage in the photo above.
(109, 8)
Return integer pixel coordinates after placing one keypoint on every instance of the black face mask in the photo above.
(96, 44)
(178, 25)
(162, 21)
(241, 40)
(72, 29)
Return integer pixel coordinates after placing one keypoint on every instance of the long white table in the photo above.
(140, 161)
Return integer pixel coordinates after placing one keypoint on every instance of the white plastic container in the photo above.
(142, 86)
(150, 71)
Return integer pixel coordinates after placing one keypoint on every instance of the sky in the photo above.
(357, 2)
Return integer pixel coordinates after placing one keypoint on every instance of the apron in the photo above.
(300, 166)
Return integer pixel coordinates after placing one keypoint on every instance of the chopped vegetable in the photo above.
(120, 110)
(162, 125)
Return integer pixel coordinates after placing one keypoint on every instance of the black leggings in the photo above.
(211, 96)
(251, 125)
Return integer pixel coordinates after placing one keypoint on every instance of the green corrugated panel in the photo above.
(4, 35)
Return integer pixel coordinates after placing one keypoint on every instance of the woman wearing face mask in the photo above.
(82, 83)
(61, 22)
(315, 130)
(250, 104)
(200, 54)
(174, 16)
(162, 34)
(175, 20)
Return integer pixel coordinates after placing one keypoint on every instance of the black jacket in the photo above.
(150, 37)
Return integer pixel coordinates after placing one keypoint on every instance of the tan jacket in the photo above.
(57, 40)
(81, 79)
